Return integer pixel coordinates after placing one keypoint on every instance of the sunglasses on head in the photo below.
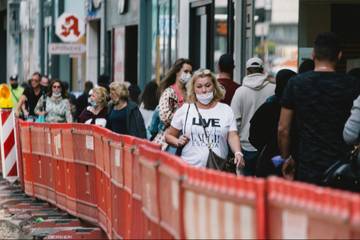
(203, 72)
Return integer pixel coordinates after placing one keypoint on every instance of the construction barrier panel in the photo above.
(298, 210)
(131, 189)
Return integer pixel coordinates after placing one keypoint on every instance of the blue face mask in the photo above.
(92, 103)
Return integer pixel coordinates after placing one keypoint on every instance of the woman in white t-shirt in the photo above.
(204, 92)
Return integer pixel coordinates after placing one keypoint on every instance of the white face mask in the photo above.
(56, 94)
(205, 98)
(185, 77)
(92, 102)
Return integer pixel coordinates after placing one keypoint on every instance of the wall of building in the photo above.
(314, 17)
(113, 18)
(3, 16)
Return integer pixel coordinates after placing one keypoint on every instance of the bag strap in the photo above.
(12, 92)
(203, 125)
(187, 113)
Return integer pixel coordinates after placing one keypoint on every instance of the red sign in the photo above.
(69, 28)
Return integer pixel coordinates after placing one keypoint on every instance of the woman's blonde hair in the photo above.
(219, 92)
(121, 90)
(101, 94)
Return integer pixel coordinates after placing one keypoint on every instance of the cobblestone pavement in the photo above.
(22, 217)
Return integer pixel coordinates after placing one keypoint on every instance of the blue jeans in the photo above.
(250, 162)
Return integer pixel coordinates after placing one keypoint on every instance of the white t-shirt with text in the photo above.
(219, 121)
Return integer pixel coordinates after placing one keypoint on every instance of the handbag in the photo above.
(344, 175)
(179, 149)
(214, 161)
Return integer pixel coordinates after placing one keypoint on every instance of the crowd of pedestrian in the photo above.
(296, 125)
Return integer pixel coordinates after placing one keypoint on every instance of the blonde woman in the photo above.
(205, 123)
(96, 113)
(124, 116)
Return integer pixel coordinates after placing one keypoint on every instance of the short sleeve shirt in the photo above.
(32, 100)
(219, 122)
(321, 102)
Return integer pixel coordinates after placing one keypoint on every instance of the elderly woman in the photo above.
(55, 107)
(205, 123)
(125, 116)
(96, 113)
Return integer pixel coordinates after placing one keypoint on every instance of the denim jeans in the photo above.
(250, 162)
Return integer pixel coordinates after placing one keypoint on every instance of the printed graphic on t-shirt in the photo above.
(213, 130)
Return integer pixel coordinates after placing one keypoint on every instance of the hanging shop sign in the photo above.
(66, 48)
(69, 27)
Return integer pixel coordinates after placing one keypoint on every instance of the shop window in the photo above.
(224, 29)
(164, 35)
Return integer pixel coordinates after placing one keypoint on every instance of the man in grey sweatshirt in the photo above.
(255, 89)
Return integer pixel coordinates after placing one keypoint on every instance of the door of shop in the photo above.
(201, 31)
(131, 54)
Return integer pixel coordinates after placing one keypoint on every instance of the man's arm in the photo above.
(21, 106)
(284, 141)
(286, 117)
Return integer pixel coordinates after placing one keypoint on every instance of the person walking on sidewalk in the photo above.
(225, 77)
(15, 90)
(255, 90)
(30, 98)
(173, 95)
(55, 107)
(124, 115)
(319, 102)
(96, 113)
(204, 108)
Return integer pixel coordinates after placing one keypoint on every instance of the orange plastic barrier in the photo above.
(131, 189)
(298, 210)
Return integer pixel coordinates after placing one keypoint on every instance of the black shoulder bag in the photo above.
(179, 149)
(344, 174)
(214, 161)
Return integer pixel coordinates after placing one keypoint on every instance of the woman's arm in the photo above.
(166, 110)
(352, 126)
(172, 137)
(68, 115)
(39, 107)
(234, 142)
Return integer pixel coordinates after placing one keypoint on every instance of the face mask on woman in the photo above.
(56, 94)
(205, 98)
(185, 77)
(92, 102)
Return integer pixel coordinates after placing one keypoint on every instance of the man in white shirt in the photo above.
(255, 89)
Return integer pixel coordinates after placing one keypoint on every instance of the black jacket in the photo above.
(134, 121)
(263, 136)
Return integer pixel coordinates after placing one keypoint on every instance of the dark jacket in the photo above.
(134, 121)
(263, 136)
(81, 103)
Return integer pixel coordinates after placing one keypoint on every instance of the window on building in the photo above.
(276, 33)
(164, 34)
(224, 27)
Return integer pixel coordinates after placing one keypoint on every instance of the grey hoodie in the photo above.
(352, 126)
(247, 99)
(256, 81)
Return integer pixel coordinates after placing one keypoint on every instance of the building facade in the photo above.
(138, 41)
